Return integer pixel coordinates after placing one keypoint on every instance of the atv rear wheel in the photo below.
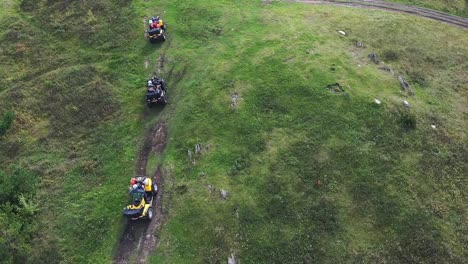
(155, 189)
(149, 213)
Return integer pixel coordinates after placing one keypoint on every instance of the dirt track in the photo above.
(141, 237)
(394, 7)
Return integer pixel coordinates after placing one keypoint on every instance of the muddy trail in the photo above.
(141, 237)
(394, 7)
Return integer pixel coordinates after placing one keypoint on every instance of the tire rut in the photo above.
(140, 238)
(394, 7)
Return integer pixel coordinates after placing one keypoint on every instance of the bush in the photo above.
(390, 55)
(407, 121)
(7, 120)
(16, 214)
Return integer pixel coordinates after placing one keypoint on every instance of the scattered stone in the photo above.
(210, 188)
(318, 183)
(232, 259)
(336, 88)
(377, 101)
(359, 65)
(342, 32)
(433, 127)
(406, 104)
(385, 68)
(198, 149)
(190, 157)
(373, 57)
(234, 98)
(405, 85)
(224, 194)
(360, 44)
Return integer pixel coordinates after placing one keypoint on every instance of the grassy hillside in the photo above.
(456, 7)
(71, 75)
(314, 174)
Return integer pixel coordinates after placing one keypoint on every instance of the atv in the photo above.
(142, 202)
(156, 92)
(156, 34)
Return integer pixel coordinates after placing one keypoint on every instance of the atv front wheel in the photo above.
(149, 213)
(155, 189)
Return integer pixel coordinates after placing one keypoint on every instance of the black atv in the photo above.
(156, 34)
(156, 92)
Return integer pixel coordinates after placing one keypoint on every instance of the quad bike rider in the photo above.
(143, 191)
(157, 30)
(156, 91)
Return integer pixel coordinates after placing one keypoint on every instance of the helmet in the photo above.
(135, 186)
(132, 181)
(146, 181)
(150, 21)
(150, 83)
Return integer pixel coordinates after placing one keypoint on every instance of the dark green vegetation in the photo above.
(455, 7)
(73, 80)
(313, 174)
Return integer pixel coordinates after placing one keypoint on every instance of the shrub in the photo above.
(390, 55)
(407, 121)
(6, 122)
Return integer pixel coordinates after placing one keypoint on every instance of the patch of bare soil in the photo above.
(140, 238)
(394, 7)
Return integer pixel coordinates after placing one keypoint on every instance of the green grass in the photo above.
(391, 187)
(76, 91)
(385, 173)
(455, 7)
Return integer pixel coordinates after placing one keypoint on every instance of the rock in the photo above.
(190, 157)
(405, 85)
(384, 68)
(406, 104)
(433, 127)
(336, 88)
(377, 101)
(360, 44)
(373, 57)
(234, 98)
(342, 32)
(210, 188)
(232, 259)
(318, 183)
(224, 194)
(198, 149)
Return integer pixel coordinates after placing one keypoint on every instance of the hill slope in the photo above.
(315, 172)
(315, 175)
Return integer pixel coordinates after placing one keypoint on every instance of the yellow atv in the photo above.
(142, 200)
